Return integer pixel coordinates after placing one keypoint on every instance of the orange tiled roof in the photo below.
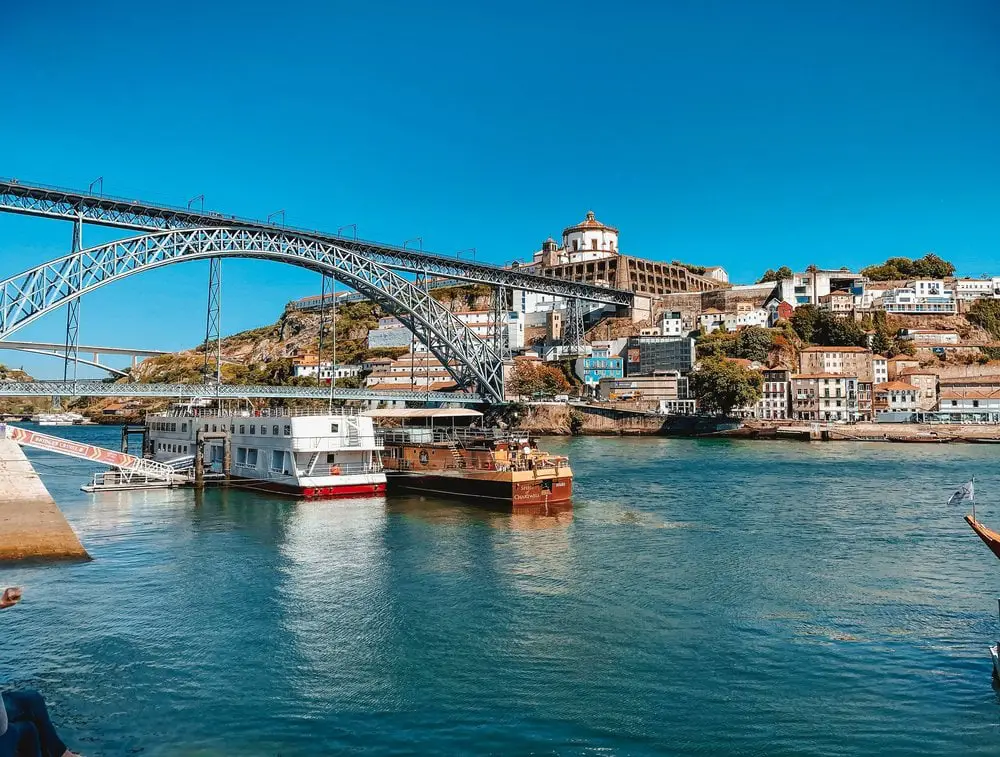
(836, 349)
(895, 386)
(590, 222)
(822, 376)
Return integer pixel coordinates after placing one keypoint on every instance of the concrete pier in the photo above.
(31, 525)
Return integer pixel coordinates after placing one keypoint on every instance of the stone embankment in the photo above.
(620, 420)
(31, 525)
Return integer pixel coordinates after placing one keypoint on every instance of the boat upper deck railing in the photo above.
(463, 435)
(268, 412)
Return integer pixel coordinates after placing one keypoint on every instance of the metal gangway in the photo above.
(127, 471)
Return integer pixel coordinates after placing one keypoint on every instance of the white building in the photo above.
(326, 369)
(977, 289)
(712, 319)
(718, 273)
(930, 336)
(896, 397)
(775, 402)
(745, 318)
(673, 325)
(807, 288)
(919, 298)
(880, 369)
(588, 240)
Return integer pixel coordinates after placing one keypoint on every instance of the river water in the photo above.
(704, 597)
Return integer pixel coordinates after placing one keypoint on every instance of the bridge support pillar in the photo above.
(500, 301)
(213, 321)
(574, 330)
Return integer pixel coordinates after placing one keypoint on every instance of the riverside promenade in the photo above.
(31, 525)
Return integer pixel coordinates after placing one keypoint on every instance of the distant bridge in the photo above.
(62, 351)
(220, 391)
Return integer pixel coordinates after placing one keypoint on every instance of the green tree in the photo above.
(717, 344)
(769, 275)
(804, 321)
(754, 343)
(720, 385)
(831, 331)
(930, 266)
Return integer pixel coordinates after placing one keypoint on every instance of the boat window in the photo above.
(253, 428)
(232, 428)
(334, 428)
(214, 428)
(274, 430)
(331, 457)
(251, 458)
(263, 429)
(288, 430)
(243, 429)
(241, 455)
(184, 427)
(277, 460)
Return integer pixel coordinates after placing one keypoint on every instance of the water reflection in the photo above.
(334, 599)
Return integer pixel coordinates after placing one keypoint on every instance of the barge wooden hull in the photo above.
(502, 489)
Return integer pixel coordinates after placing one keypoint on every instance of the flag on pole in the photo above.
(965, 491)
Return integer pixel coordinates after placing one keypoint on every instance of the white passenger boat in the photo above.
(59, 419)
(295, 452)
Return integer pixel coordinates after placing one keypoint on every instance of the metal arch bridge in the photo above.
(55, 202)
(33, 293)
(221, 391)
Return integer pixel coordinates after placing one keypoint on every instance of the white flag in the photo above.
(966, 491)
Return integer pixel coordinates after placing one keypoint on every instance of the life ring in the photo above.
(334, 470)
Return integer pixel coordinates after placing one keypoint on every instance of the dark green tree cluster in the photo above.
(753, 343)
(821, 327)
(770, 275)
(986, 315)
(721, 385)
(930, 266)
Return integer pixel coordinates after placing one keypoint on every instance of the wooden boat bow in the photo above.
(990, 538)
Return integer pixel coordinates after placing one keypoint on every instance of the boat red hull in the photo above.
(312, 492)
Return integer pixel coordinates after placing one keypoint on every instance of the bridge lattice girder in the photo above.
(53, 202)
(31, 294)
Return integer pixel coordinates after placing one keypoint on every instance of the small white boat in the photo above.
(59, 419)
(996, 661)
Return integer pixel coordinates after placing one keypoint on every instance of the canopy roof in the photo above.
(424, 412)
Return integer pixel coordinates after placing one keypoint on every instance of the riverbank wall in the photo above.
(610, 420)
(31, 525)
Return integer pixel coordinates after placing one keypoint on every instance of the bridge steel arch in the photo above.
(468, 358)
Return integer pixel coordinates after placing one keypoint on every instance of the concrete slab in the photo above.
(31, 525)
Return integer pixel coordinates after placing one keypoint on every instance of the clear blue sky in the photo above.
(748, 135)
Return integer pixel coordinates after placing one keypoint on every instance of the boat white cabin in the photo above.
(289, 451)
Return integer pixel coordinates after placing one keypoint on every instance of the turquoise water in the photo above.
(705, 597)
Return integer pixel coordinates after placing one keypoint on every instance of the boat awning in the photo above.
(424, 412)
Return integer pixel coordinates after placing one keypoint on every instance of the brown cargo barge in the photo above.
(445, 453)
